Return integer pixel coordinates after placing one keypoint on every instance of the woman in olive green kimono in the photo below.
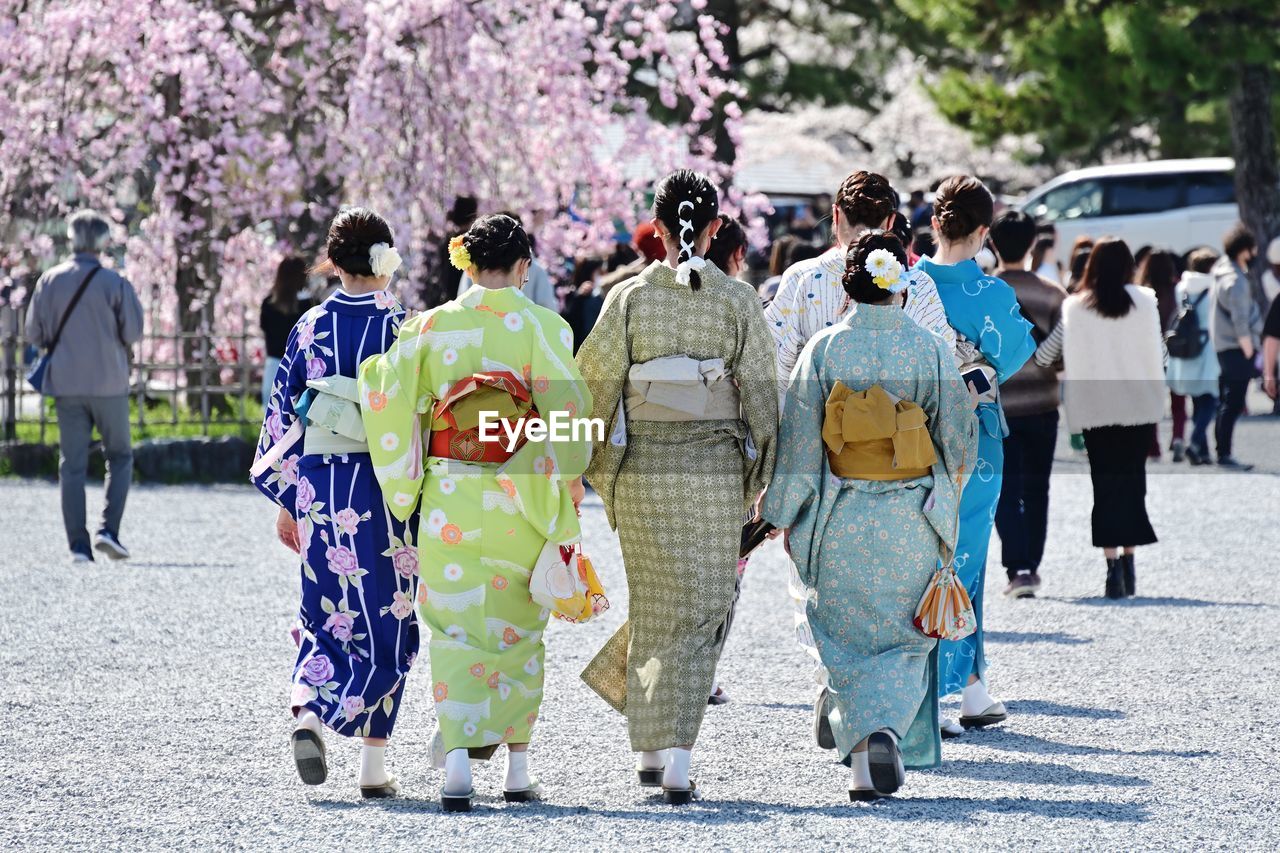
(485, 517)
(877, 428)
(680, 363)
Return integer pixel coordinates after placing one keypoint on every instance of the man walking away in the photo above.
(1030, 400)
(88, 376)
(1236, 328)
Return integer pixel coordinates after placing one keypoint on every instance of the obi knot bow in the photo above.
(875, 436)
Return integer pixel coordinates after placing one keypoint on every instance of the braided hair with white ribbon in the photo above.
(685, 202)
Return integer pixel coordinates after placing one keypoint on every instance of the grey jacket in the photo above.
(92, 358)
(1235, 312)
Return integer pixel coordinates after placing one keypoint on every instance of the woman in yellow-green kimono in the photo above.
(487, 512)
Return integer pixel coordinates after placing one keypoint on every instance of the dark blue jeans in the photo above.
(1233, 384)
(1022, 515)
(1203, 408)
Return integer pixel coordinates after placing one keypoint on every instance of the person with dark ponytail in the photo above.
(984, 312)
(490, 504)
(680, 365)
(728, 249)
(280, 311)
(357, 635)
(851, 495)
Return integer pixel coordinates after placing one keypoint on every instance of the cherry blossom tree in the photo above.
(219, 134)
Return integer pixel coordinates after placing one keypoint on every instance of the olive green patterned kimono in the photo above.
(483, 524)
(676, 492)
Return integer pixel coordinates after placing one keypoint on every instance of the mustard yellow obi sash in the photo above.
(871, 436)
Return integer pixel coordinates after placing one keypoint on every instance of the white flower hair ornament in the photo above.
(886, 271)
(383, 260)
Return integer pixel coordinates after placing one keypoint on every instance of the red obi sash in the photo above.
(455, 425)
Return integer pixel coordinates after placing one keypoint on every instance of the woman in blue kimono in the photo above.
(868, 514)
(984, 312)
(357, 632)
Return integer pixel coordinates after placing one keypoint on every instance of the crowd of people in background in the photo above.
(897, 368)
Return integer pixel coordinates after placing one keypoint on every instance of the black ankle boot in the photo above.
(1115, 578)
(1130, 574)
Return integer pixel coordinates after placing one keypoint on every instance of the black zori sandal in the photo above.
(681, 796)
(456, 802)
(531, 794)
(649, 778)
(309, 757)
(885, 763)
(995, 714)
(385, 791)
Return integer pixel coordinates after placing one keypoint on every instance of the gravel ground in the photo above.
(145, 701)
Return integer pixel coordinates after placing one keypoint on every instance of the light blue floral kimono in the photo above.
(984, 310)
(866, 550)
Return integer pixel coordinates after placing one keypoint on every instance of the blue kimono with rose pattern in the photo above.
(358, 632)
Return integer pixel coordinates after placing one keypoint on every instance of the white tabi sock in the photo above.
(457, 772)
(373, 767)
(676, 774)
(307, 719)
(653, 760)
(517, 771)
(861, 769)
(975, 699)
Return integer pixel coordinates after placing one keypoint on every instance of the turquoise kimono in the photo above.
(866, 550)
(984, 310)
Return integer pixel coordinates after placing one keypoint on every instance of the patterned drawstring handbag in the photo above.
(945, 611)
(565, 582)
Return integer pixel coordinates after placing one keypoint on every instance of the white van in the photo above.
(1170, 204)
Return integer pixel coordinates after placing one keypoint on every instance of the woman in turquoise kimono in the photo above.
(357, 634)
(984, 312)
(874, 440)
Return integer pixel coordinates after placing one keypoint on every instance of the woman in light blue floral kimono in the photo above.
(984, 312)
(357, 632)
(873, 442)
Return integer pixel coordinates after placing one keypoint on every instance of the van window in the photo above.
(1143, 194)
(1210, 188)
(1079, 200)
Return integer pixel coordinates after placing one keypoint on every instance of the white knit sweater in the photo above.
(1114, 372)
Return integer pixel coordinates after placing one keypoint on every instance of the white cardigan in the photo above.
(1113, 366)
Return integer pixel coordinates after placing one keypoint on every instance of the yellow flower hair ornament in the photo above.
(458, 254)
(886, 271)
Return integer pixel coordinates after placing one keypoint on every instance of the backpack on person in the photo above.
(1186, 339)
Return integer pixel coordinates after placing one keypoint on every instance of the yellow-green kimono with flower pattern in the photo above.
(483, 524)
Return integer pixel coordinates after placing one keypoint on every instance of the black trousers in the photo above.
(1022, 515)
(1118, 469)
(1233, 384)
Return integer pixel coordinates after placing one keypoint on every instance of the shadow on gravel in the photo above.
(957, 809)
(948, 809)
(1100, 601)
(1060, 638)
(1018, 742)
(145, 564)
(1045, 774)
(1057, 709)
